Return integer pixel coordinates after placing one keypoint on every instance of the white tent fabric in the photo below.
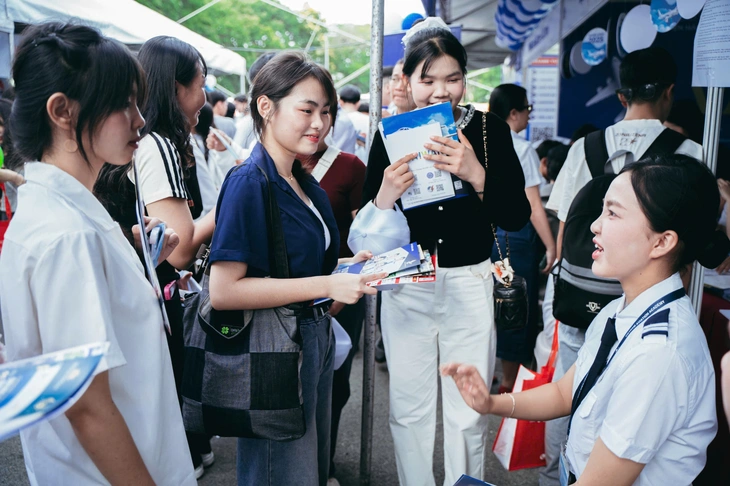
(128, 22)
(516, 19)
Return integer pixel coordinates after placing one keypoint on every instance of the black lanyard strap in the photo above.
(580, 392)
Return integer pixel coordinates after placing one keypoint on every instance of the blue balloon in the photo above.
(410, 19)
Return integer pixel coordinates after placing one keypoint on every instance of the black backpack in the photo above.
(579, 293)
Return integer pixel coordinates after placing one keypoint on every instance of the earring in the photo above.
(70, 145)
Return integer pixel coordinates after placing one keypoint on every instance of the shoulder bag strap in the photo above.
(325, 162)
(665, 144)
(486, 166)
(596, 152)
(278, 260)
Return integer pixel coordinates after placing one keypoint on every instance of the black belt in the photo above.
(315, 312)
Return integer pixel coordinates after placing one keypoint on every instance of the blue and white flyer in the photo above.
(406, 134)
(40, 388)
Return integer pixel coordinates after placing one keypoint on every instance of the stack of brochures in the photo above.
(404, 265)
(406, 134)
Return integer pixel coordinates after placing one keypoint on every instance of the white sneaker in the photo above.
(208, 459)
(199, 471)
(333, 482)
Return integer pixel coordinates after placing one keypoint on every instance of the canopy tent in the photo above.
(127, 21)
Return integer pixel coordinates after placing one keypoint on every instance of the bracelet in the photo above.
(479, 192)
(513, 405)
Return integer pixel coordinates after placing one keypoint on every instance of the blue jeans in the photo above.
(518, 345)
(303, 461)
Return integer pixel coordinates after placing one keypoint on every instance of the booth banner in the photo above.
(712, 46)
(543, 88)
(545, 36)
(575, 12)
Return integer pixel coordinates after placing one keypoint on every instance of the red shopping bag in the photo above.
(520, 444)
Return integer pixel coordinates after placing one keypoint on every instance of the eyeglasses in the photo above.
(527, 107)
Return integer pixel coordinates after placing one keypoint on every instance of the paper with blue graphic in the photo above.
(398, 260)
(40, 388)
(406, 134)
(594, 47)
(664, 15)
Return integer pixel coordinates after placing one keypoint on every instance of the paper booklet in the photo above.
(405, 265)
(406, 134)
(40, 388)
(465, 480)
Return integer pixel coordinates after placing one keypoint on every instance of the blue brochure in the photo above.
(465, 480)
(41, 388)
(406, 134)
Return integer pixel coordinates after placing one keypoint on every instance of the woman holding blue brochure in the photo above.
(452, 318)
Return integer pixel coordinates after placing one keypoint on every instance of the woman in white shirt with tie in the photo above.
(641, 395)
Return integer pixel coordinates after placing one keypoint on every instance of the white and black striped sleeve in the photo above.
(160, 172)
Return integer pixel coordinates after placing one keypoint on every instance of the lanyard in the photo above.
(650, 311)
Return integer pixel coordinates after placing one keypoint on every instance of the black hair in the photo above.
(545, 146)
(364, 107)
(231, 110)
(215, 97)
(257, 65)
(241, 98)
(6, 107)
(646, 73)
(350, 94)
(8, 93)
(678, 193)
(269, 82)
(167, 60)
(582, 131)
(205, 121)
(97, 72)
(505, 98)
(686, 114)
(430, 44)
(555, 159)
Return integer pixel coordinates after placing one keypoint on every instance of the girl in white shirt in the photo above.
(68, 276)
(641, 395)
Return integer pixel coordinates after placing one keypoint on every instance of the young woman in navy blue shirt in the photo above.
(290, 113)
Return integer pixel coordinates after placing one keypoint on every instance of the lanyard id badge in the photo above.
(566, 477)
(147, 258)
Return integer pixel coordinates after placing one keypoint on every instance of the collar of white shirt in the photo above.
(626, 317)
(70, 189)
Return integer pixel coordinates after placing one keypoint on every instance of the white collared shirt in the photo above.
(655, 402)
(630, 136)
(529, 160)
(68, 276)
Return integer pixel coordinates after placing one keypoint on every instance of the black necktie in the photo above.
(608, 339)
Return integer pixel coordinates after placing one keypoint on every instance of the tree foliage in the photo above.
(251, 28)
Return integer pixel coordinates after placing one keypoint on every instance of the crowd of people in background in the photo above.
(89, 126)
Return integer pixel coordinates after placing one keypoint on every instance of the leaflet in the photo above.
(40, 388)
(403, 258)
(406, 134)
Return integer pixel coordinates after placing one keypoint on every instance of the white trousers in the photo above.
(451, 319)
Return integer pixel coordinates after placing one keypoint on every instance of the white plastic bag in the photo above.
(2, 351)
(343, 343)
(378, 230)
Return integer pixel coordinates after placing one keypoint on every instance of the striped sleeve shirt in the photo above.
(160, 171)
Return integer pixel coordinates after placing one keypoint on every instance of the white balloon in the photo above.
(576, 59)
(689, 8)
(637, 30)
(211, 81)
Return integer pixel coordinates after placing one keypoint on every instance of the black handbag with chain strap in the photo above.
(510, 297)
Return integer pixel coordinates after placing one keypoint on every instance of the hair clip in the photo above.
(428, 23)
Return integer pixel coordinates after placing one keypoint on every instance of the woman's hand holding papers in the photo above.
(349, 287)
(457, 158)
(170, 242)
(397, 178)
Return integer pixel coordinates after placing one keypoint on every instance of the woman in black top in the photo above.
(422, 323)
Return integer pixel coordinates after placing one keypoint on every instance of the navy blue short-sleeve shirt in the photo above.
(241, 233)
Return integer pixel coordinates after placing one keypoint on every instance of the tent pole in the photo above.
(710, 141)
(368, 362)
